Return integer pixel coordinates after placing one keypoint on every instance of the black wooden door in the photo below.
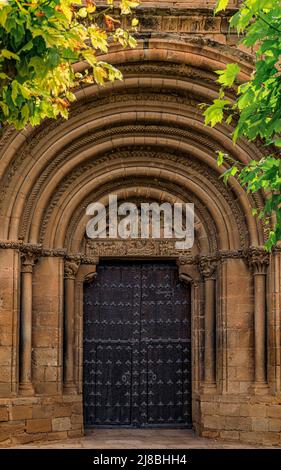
(137, 347)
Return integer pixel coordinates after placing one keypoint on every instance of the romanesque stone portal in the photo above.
(142, 138)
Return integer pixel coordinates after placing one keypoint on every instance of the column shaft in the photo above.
(260, 328)
(210, 327)
(25, 386)
(69, 334)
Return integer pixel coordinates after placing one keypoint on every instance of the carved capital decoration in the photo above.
(89, 279)
(207, 267)
(258, 260)
(70, 269)
(28, 260)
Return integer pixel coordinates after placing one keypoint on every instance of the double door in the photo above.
(137, 347)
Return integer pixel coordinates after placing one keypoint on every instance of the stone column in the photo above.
(25, 385)
(259, 261)
(70, 270)
(208, 268)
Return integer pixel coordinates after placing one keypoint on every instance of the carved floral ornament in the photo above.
(258, 260)
(28, 260)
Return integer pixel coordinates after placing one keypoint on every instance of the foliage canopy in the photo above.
(256, 111)
(41, 40)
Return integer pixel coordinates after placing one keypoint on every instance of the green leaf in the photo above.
(229, 75)
(214, 113)
(220, 158)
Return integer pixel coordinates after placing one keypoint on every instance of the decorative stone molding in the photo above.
(94, 260)
(70, 269)
(188, 163)
(187, 259)
(133, 247)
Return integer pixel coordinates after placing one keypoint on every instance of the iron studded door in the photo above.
(137, 347)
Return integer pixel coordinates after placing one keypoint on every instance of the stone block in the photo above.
(61, 424)
(45, 338)
(45, 356)
(62, 411)
(42, 411)
(230, 435)
(274, 411)
(260, 424)
(25, 438)
(51, 374)
(210, 434)
(5, 373)
(271, 438)
(274, 425)
(3, 413)
(20, 412)
(75, 433)
(236, 423)
(77, 419)
(257, 410)
(251, 437)
(38, 425)
(213, 422)
(10, 429)
(57, 435)
(229, 409)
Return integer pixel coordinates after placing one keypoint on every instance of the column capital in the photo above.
(28, 260)
(71, 268)
(208, 266)
(258, 260)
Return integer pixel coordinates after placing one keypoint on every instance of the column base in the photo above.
(70, 388)
(209, 388)
(26, 389)
(260, 388)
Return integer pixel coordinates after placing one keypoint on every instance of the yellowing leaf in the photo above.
(221, 5)
(100, 75)
(9, 54)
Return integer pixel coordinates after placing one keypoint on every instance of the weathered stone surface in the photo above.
(20, 412)
(38, 425)
(3, 413)
(61, 424)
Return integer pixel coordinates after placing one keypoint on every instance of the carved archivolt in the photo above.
(191, 167)
(170, 100)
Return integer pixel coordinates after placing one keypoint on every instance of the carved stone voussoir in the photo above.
(258, 260)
